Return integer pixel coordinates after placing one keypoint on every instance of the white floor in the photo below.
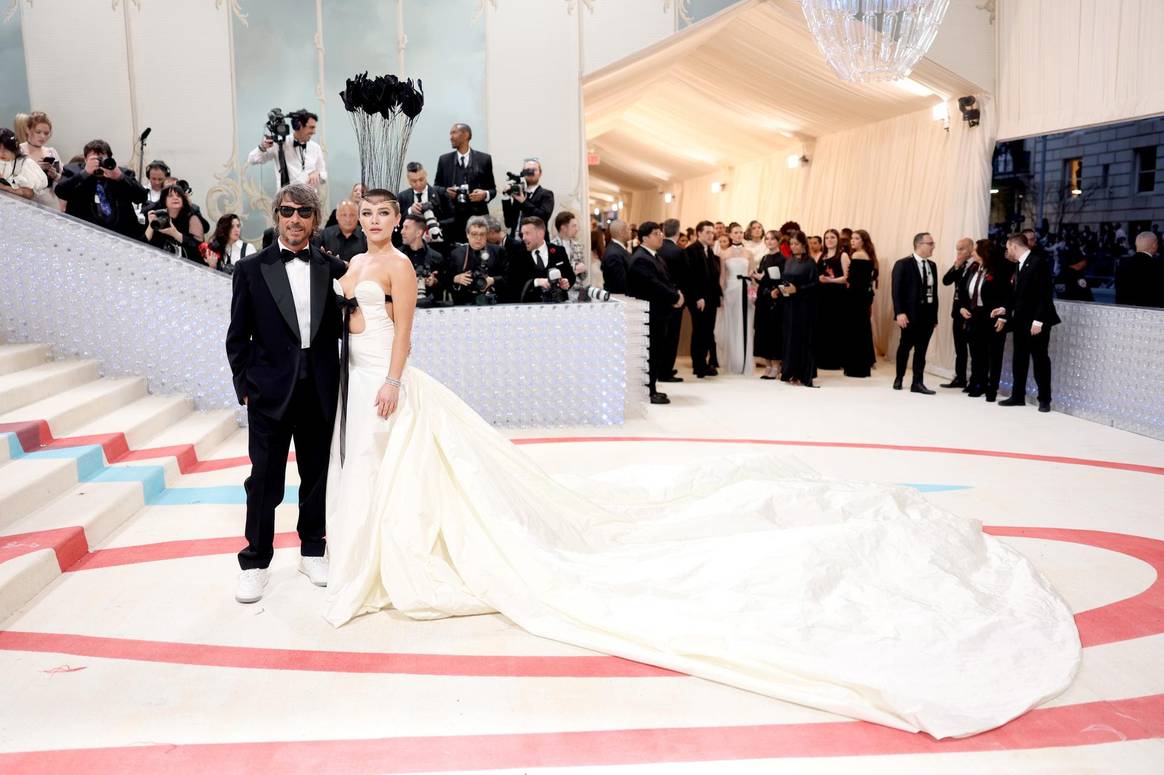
(143, 661)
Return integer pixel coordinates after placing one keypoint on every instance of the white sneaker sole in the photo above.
(256, 598)
(313, 581)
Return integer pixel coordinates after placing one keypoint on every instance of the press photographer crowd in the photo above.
(780, 300)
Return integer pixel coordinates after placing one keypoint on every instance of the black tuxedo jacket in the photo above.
(615, 265)
(540, 204)
(958, 277)
(479, 175)
(79, 190)
(1139, 281)
(440, 204)
(996, 291)
(648, 280)
(675, 259)
(909, 292)
(522, 270)
(702, 276)
(1034, 293)
(464, 259)
(262, 340)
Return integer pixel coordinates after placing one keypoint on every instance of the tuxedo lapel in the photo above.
(276, 278)
(320, 287)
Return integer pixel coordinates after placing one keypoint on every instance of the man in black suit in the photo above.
(1031, 317)
(345, 239)
(616, 258)
(703, 297)
(426, 262)
(675, 260)
(530, 264)
(1139, 279)
(915, 305)
(531, 199)
(648, 280)
(957, 275)
(476, 255)
(282, 344)
(419, 193)
(103, 197)
(466, 178)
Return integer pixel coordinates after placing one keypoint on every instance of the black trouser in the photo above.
(656, 360)
(671, 349)
(269, 441)
(702, 338)
(986, 347)
(1026, 349)
(915, 336)
(961, 345)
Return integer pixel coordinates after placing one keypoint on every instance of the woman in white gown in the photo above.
(856, 598)
(732, 337)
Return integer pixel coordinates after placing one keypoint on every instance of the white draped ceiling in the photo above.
(730, 99)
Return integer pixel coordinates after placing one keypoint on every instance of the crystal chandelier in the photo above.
(874, 40)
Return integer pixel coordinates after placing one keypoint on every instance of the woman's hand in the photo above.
(386, 400)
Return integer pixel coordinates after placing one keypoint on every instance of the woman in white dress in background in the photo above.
(734, 337)
(856, 598)
(754, 242)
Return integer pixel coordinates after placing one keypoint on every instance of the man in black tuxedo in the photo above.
(466, 178)
(1139, 279)
(1031, 317)
(530, 263)
(476, 255)
(282, 344)
(616, 258)
(703, 297)
(103, 197)
(958, 275)
(530, 200)
(426, 262)
(676, 262)
(915, 304)
(419, 193)
(648, 280)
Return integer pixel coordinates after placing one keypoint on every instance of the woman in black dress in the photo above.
(768, 341)
(987, 290)
(830, 331)
(799, 289)
(858, 327)
(173, 226)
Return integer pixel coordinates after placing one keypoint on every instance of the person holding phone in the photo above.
(37, 131)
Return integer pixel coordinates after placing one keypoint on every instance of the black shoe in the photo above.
(765, 376)
(989, 398)
(674, 372)
(672, 378)
(897, 384)
(974, 393)
(918, 387)
(700, 375)
(1013, 401)
(660, 398)
(712, 372)
(1044, 406)
(956, 383)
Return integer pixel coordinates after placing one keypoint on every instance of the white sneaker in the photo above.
(314, 568)
(251, 585)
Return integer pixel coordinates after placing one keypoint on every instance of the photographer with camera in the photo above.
(422, 199)
(100, 192)
(480, 267)
(345, 239)
(524, 197)
(432, 277)
(465, 176)
(298, 158)
(539, 272)
(174, 226)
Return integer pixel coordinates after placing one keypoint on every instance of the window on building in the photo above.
(1073, 176)
(1146, 170)
(1106, 177)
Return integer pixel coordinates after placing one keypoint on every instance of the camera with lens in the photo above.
(422, 274)
(517, 182)
(463, 193)
(161, 221)
(555, 293)
(107, 163)
(431, 224)
(277, 126)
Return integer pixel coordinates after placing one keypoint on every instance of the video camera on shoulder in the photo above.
(278, 127)
(517, 182)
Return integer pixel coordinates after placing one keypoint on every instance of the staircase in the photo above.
(80, 455)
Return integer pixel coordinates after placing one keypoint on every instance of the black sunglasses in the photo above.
(304, 212)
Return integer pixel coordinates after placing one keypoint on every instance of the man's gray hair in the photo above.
(477, 221)
(304, 195)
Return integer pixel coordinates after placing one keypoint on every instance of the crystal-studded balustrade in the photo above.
(140, 311)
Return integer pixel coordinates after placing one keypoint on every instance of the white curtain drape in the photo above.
(1064, 64)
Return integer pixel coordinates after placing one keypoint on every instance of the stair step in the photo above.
(69, 410)
(140, 420)
(27, 484)
(33, 384)
(17, 357)
(205, 430)
(23, 578)
(98, 507)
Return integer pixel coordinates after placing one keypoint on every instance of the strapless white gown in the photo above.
(733, 343)
(856, 598)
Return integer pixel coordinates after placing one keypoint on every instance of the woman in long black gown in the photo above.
(830, 330)
(768, 341)
(858, 331)
(799, 289)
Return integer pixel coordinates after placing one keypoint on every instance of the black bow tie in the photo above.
(300, 145)
(290, 255)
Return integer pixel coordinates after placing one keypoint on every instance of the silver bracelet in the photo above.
(392, 382)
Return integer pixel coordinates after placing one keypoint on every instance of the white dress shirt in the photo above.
(540, 255)
(923, 266)
(975, 287)
(301, 162)
(299, 275)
